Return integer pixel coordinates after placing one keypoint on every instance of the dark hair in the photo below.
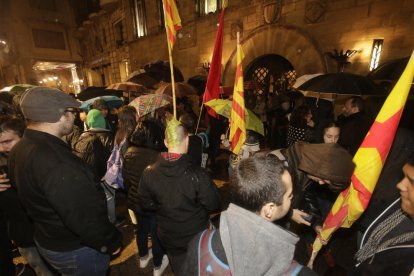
(256, 181)
(148, 134)
(126, 123)
(410, 160)
(188, 122)
(9, 123)
(298, 117)
(357, 101)
(99, 104)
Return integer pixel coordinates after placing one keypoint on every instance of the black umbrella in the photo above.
(198, 82)
(391, 70)
(343, 83)
(143, 78)
(97, 91)
(160, 71)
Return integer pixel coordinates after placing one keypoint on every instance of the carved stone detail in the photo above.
(187, 37)
(272, 10)
(314, 11)
(236, 27)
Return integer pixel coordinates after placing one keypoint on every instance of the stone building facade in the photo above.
(40, 46)
(119, 37)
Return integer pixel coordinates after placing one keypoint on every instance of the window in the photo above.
(161, 19)
(204, 7)
(140, 18)
(49, 39)
(119, 33)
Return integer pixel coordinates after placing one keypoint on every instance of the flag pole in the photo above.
(171, 62)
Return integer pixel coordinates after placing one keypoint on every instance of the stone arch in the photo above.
(287, 41)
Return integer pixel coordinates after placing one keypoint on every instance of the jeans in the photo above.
(110, 201)
(33, 258)
(147, 225)
(84, 261)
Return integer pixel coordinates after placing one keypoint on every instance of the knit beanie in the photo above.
(95, 119)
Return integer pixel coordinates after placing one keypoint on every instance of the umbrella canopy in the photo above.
(390, 70)
(302, 79)
(148, 103)
(97, 91)
(343, 83)
(223, 107)
(198, 82)
(17, 88)
(181, 89)
(112, 102)
(160, 70)
(128, 87)
(143, 78)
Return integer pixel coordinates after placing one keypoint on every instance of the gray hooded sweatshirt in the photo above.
(253, 245)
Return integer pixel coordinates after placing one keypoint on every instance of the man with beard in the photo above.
(67, 206)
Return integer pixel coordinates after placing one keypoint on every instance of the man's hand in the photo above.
(298, 217)
(318, 229)
(4, 182)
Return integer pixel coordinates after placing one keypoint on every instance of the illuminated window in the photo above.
(207, 6)
(140, 18)
(376, 53)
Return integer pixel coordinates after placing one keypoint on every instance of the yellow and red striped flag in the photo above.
(238, 110)
(172, 21)
(369, 160)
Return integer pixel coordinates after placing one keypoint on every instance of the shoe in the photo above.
(143, 261)
(20, 268)
(158, 271)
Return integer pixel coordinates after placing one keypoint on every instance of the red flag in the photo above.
(213, 81)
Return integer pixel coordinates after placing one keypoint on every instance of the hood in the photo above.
(173, 168)
(327, 161)
(95, 119)
(249, 240)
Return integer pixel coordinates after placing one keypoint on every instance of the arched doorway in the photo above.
(264, 76)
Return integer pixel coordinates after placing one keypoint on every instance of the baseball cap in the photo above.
(45, 104)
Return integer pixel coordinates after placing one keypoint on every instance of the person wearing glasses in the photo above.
(58, 190)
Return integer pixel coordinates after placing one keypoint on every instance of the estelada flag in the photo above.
(369, 160)
(238, 110)
(213, 81)
(172, 21)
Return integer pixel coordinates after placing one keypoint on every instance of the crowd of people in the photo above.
(61, 169)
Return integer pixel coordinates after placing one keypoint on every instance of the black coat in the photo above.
(135, 160)
(68, 208)
(94, 147)
(354, 128)
(182, 195)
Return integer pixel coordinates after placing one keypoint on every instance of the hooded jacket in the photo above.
(182, 195)
(249, 245)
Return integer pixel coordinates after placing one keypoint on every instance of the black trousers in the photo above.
(6, 259)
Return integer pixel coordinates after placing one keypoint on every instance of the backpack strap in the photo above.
(208, 262)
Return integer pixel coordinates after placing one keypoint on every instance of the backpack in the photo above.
(113, 176)
(89, 148)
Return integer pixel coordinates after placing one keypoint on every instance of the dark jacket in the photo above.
(395, 259)
(94, 147)
(135, 161)
(58, 191)
(19, 227)
(195, 149)
(354, 128)
(182, 195)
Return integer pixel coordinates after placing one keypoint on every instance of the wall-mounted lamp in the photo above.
(376, 53)
(341, 58)
(206, 66)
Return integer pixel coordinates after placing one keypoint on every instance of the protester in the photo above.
(329, 132)
(387, 247)
(111, 119)
(248, 243)
(17, 224)
(58, 191)
(300, 126)
(195, 142)
(181, 194)
(94, 146)
(354, 124)
(145, 144)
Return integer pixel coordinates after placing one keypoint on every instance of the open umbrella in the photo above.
(142, 78)
(160, 70)
(97, 91)
(129, 89)
(198, 82)
(223, 107)
(304, 78)
(181, 89)
(343, 83)
(148, 103)
(111, 101)
(16, 88)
